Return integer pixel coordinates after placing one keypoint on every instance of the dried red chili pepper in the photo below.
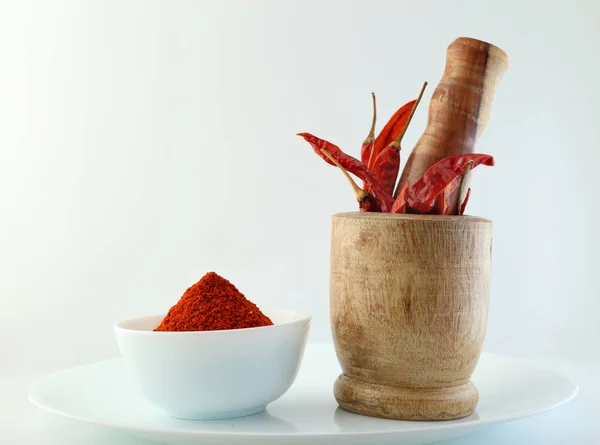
(386, 167)
(423, 193)
(354, 166)
(390, 131)
(369, 205)
(464, 203)
(442, 202)
(367, 146)
(317, 144)
(461, 186)
(387, 163)
(401, 201)
(366, 203)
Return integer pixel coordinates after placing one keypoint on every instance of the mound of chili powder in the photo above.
(213, 304)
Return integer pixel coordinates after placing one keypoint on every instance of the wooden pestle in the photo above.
(460, 106)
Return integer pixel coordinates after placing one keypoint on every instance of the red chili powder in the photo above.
(213, 304)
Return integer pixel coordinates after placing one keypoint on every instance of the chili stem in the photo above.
(361, 195)
(396, 143)
(371, 136)
(462, 184)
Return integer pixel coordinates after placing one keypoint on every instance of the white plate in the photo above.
(103, 394)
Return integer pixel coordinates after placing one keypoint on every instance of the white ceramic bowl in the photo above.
(214, 374)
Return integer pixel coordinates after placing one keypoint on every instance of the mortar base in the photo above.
(402, 403)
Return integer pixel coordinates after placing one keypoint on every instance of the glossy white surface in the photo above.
(101, 394)
(212, 374)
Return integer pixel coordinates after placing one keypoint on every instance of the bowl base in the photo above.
(219, 415)
(402, 403)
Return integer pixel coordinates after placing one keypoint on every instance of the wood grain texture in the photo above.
(460, 106)
(409, 301)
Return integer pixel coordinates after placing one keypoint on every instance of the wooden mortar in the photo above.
(409, 303)
(460, 106)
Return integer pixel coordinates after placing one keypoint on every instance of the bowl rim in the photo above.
(303, 318)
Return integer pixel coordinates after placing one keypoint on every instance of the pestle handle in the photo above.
(460, 106)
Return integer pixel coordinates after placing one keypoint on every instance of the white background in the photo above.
(143, 143)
